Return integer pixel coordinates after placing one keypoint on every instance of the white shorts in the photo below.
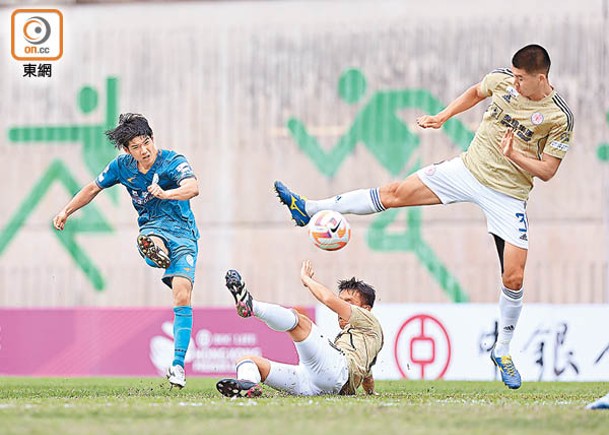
(322, 369)
(452, 182)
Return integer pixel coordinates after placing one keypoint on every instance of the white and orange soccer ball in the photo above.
(329, 230)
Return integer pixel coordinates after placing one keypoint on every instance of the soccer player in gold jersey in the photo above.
(524, 133)
(325, 367)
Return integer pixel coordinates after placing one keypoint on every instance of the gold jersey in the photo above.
(360, 340)
(544, 126)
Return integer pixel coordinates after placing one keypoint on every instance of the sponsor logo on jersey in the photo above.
(511, 93)
(559, 146)
(140, 198)
(520, 130)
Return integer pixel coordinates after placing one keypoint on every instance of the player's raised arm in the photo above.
(82, 198)
(463, 102)
(322, 293)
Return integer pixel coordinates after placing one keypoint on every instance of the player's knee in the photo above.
(302, 321)
(513, 280)
(182, 292)
(389, 194)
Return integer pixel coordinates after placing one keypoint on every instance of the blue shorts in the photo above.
(182, 253)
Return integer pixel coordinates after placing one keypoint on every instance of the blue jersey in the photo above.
(173, 216)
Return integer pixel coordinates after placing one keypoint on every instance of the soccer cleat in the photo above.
(238, 388)
(176, 376)
(294, 202)
(602, 403)
(152, 252)
(509, 373)
(243, 299)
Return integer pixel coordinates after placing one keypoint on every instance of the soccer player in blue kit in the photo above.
(160, 183)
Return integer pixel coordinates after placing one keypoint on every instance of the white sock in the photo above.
(510, 306)
(363, 201)
(247, 370)
(276, 317)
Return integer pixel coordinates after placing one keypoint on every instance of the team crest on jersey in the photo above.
(190, 260)
(536, 118)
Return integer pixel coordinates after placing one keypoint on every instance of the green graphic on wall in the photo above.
(603, 149)
(378, 127)
(96, 152)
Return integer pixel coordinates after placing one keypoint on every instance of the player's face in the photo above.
(352, 297)
(528, 85)
(143, 150)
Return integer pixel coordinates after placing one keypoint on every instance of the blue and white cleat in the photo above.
(602, 403)
(294, 202)
(509, 373)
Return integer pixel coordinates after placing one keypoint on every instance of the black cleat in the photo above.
(238, 388)
(243, 298)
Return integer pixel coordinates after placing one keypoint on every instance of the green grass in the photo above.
(148, 406)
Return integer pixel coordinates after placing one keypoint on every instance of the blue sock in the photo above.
(182, 327)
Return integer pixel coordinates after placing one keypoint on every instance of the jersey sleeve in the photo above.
(491, 80)
(109, 176)
(560, 138)
(180, 169)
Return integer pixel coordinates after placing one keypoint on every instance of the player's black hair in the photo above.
(533, 59)
(367, 292)
(130, 125)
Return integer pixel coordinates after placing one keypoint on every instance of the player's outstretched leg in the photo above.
(509, 373)
(238, 388)
(294, 202)
(275, 316)
(243, 298)
(152, 252)
(602, 403)
(176, 376)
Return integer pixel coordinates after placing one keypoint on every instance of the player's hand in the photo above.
(306, 272)
(156, 191)
(428, 121)
(59, 221)
(507, 143)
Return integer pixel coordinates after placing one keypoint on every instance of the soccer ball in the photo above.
(329, 230)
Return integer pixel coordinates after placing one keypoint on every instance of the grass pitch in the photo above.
(148, 406)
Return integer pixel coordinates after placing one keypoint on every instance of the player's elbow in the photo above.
(195, 190)
(546, 175)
